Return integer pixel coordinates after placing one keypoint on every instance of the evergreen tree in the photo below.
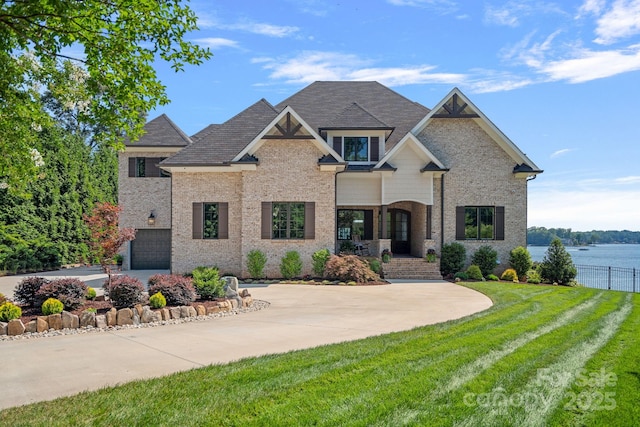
(557, 265)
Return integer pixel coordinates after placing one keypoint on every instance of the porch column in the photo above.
(383, 218)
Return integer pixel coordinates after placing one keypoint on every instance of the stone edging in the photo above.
(191, 317)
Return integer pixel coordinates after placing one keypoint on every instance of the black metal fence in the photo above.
(614, 278)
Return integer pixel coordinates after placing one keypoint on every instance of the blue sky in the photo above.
(560, 79)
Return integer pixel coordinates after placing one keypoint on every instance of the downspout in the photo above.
(441, 211)
(335, 208)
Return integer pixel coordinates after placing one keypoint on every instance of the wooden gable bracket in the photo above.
(456, 111)
(289, 131)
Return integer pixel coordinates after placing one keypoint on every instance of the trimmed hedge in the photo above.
(178, 290)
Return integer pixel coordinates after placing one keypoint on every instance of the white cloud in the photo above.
(511, 13)
(591, 7)
(560, 152)
(501, 16)
(216, 42)
(591, 65)
(311, 66)
(425, 3)
(621, 21)
(278, 31)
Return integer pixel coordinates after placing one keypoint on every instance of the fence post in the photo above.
(609, 279)
(634, 280)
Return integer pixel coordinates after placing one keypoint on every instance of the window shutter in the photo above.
(337, 144)
(223, 220)
(310, 220)
(151, 169)
(197, 221)
(460, 235)
(368, 225)
(375, 148)
(499, 222)
(267, 220)
(132, 167)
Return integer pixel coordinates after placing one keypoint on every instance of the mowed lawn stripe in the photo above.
(394, 379)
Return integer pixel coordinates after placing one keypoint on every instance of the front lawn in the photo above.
(541, 355)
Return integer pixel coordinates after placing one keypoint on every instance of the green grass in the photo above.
(540, 356)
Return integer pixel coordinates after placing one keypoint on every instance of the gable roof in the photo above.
(219, 144)
(318, 103)
(355, 117)
(456, 104)
(161, 132)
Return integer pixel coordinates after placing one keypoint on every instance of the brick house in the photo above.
(334, 162)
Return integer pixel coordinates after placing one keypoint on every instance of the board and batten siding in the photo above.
(362, 189)
(407, 182)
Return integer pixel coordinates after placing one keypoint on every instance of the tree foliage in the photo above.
(557, 265)
(106, 237)
(486, 258)
(520, 261)
(541, 236)
(95, 58)
(452, 258)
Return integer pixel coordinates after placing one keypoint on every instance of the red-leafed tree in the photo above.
(106, 237)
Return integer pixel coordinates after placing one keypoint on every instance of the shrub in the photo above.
(533, 277)
(91, 293)
(208, 283)
(25, 291)
(486, 258)
(520, 260)
(71, 292)
(124, 291)
(9, 311)
(349, 268)
(510, 275)
(557, 265)
(157, 300)
(493, 278)
(461, 275)
(256, 260)
(474, 272)
(178, 290)
(3, 299)
(375, 266)
(452, 258)
(347, 247)
(320, 259)
(52, 306)
(291, 265)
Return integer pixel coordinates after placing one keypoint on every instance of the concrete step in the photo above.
(411, 268)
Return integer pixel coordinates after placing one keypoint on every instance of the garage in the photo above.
(151, 250)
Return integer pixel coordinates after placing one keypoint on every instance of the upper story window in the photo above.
(146, 167)
(358, 149)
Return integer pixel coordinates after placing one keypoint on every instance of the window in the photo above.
(210, 220)
(146, 167)
(288, 220)
(356, 148)
(480, 223)
(355, 222)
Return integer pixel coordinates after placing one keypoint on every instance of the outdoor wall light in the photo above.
(152, 219)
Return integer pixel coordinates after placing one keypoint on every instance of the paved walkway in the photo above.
(299, 317)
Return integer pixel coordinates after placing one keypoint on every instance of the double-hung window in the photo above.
(358, 149)
(288, 220)
(210, 220)
(146, 167)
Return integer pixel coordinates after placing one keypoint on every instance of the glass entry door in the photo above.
(400, 229)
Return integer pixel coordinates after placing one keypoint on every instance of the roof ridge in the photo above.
(176, 128)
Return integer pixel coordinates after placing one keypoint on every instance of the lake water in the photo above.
(613, 255)
(594, 262)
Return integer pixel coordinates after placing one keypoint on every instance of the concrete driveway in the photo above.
(300, 316)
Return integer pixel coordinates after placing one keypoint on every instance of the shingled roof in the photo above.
(161, 132)
(218, 144)
(322, 105)
(319, 102)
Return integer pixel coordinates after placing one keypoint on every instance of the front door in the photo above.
(400, 228)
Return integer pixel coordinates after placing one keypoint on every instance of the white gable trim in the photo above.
(409, 138)
(483, 121)
(317, 140)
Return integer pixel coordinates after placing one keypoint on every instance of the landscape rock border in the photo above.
(129, 319)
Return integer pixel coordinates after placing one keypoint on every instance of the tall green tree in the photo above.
(113, 82)
(557, 265)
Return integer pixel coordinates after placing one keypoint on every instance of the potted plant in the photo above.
(431, 255)
(386, 255)
(118, 259)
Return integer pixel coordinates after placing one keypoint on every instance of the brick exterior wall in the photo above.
(139, 196)
(481, 174)
(288, 172)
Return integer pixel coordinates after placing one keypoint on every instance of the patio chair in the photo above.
(362, 248)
